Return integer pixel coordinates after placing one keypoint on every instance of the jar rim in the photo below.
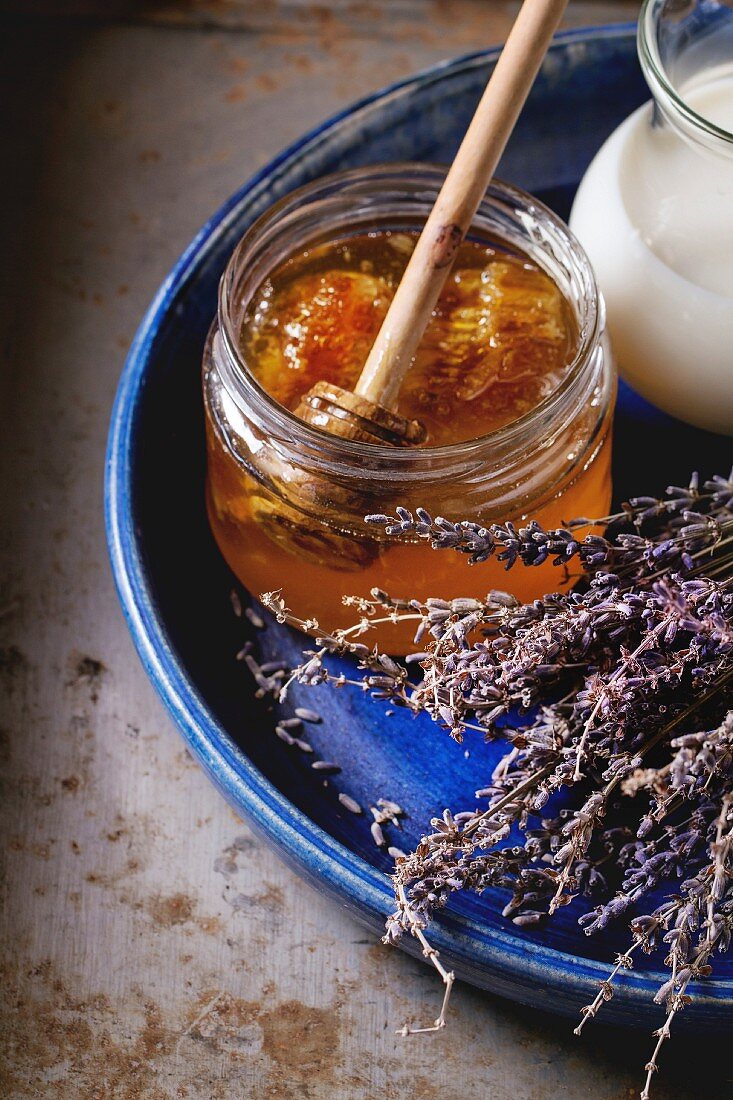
(655, 73)
(244, 386)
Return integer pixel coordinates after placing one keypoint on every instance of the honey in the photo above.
(501, 337)
(512, 382)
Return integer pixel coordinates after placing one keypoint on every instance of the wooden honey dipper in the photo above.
(369, 413)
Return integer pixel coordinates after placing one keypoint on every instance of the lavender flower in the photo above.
(620, 686)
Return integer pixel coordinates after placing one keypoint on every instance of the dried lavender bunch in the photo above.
(592, 689)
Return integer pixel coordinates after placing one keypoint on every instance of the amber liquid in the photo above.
(501, 339)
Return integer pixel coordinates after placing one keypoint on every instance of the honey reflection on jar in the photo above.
(521, 432)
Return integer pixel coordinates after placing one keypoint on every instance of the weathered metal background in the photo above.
(152, 946)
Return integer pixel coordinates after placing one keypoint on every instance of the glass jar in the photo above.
(655, 214)
(277, 532)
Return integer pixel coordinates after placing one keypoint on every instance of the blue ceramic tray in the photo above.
(175, 588)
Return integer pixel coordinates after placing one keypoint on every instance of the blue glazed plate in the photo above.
(175, 588)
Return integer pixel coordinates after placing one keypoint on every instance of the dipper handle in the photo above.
(464, 187)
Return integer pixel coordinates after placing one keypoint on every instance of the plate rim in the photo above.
(309, 849)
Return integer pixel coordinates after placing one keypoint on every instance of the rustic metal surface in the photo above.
(152, 947)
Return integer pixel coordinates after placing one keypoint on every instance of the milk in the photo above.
(655, 214)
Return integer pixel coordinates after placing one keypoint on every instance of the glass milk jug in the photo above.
(655, 214)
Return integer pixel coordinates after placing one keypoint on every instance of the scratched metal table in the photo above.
(152, 947)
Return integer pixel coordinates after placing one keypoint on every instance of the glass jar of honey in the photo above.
(513, 381)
